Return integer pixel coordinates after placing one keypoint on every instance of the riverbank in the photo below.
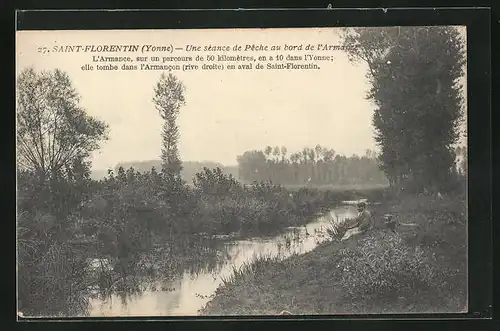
(264, 209)
(418, 269)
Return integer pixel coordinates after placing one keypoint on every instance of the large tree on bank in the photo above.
(54, 134)
(414, 74)
(168, 99)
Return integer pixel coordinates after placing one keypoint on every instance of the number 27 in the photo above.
(43, 50)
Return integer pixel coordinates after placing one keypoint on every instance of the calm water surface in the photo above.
(185, 295)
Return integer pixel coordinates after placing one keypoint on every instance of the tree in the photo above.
(53, 130)
(252, 166)
(328, 154)
(319, 151)
(276, 153)
(168, 99)
(414, 73)
(283, 153)
(267, 151)
(305, 154)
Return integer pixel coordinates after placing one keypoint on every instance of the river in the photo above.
(185, 295)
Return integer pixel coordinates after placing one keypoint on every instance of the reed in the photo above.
(338, 227)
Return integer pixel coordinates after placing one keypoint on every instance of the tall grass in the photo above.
(253, 269)
(251, 277)
(52, 275)
(383, 266)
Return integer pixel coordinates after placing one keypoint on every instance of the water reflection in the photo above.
(161, 287)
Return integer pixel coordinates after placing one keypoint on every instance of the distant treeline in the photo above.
(318, 166)
(188, 172)
(309, 166)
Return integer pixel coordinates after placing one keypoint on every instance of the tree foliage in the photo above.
(318, 165)
(54, 133)
(414, 73)
(168, 99)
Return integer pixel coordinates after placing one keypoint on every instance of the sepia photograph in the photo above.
(241, 172)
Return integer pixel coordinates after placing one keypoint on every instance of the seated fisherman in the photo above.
(361, 223)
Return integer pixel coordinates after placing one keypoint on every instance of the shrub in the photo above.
(383, 266)
(215, 182)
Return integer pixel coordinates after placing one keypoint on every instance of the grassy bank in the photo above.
(416, 269)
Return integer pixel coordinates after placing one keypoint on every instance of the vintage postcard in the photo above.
(222, 172)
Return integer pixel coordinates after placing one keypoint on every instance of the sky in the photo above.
(226, 112)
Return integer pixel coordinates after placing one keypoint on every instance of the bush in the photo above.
(337, 229)
(215, 182)
(383, 266)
